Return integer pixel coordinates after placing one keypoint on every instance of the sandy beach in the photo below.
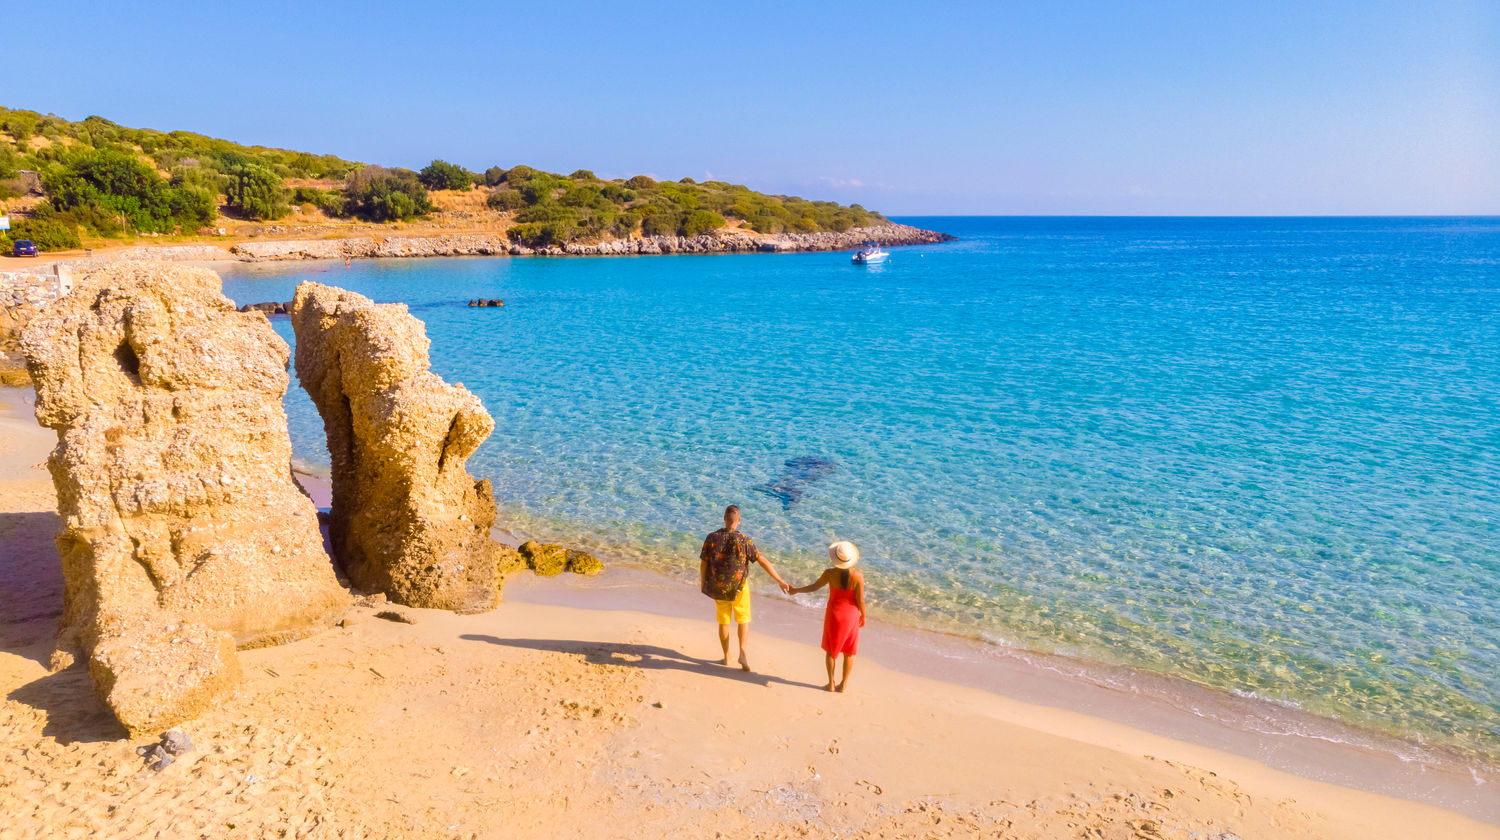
(579, 709)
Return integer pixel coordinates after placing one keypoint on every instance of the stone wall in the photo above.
(35, 286)
(23, 293)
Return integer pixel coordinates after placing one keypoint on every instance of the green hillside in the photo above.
(98, 180)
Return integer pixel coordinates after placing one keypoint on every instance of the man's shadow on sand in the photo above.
(647, 657)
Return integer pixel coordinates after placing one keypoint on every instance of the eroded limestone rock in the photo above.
(184, 534)
(408, 520)
(549, 559)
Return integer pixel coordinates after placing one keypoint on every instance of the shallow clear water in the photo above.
(1262, 454)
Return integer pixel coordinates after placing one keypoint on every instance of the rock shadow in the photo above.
(646, 657)
(74, 713)
(31, 584)
(31, 597)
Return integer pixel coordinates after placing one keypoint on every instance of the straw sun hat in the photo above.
(843, 554)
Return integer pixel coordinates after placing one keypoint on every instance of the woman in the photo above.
(845, 613)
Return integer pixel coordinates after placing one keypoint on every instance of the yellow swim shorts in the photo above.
(739, 608)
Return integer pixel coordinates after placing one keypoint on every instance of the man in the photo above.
(724, 566)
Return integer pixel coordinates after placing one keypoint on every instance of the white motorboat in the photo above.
(871, 253)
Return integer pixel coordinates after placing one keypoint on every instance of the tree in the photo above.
(640, 182)
(494, 176)
(384, 195)
(442, 175)
(255, 192)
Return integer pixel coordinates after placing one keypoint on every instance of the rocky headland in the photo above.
(718, 242)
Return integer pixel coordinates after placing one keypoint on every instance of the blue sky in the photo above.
(909, 108)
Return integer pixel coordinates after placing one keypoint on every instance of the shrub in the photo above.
(494, 176)
(189, 174)
(48, 234)
(383, 195)
(541, 234)
(255, 192)
(330, 202)
(583, 175)
(118, 182)
(701, 221)
(618, 194)
(586, 195)
(521, 173)
(10, 162)
(640, 182)
(505, 200)
(538, 188)
(20, 125)
(549, 212)
(442, 175)
(94, 220)
(626, 223)
(193, 208)
(660, 221)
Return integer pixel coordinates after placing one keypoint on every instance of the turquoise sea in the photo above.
(1259, 454)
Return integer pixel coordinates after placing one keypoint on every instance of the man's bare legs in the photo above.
(744, 634)
(848, 666)
(828, 660)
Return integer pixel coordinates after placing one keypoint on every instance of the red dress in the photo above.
(841, 622)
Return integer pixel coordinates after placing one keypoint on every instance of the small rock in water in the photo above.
(583, 563)
(546, 560)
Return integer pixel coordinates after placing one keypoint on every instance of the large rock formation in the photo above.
(184, 534)
(408, 520)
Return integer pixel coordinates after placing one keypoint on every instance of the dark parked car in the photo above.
(23, 248)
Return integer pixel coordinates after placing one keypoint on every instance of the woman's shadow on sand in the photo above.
(647, 657)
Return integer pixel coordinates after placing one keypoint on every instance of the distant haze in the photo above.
(987, 107)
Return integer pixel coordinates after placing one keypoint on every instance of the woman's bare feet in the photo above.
(744, 662)
(840, 688)
(828, 687)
